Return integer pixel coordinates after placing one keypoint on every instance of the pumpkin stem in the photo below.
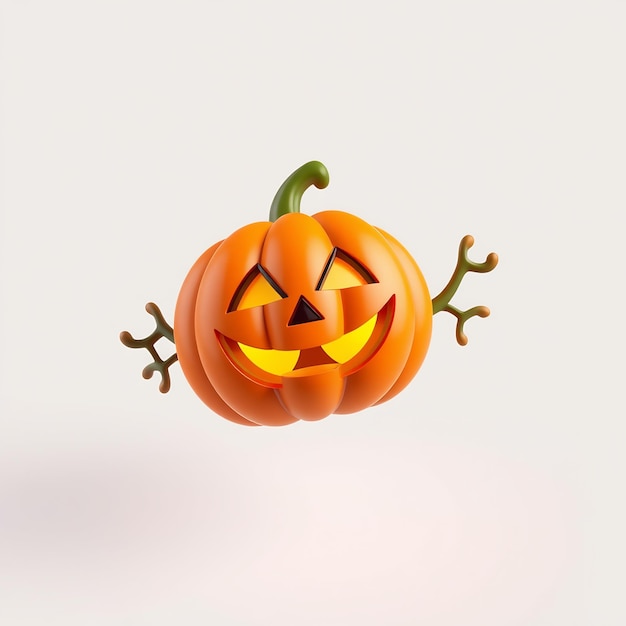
(163, 329)
(463, 266)
(287, 198)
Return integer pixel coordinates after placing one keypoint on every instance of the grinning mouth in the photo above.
(257, 363)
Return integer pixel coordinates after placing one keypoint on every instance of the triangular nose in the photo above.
(304, 312)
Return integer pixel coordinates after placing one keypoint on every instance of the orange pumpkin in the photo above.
(302, 316)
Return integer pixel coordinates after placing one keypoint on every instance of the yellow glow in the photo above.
(281, 362)
(350, 344)
(342, 275)
(277, 362)
(258, 293)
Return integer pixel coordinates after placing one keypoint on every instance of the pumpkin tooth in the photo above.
(313, 357)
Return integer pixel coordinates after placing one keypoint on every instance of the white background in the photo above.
(490, 492)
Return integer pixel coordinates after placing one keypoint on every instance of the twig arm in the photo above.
(163, 329)
(464, 265)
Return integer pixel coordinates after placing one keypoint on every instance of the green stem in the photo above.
(288, 197)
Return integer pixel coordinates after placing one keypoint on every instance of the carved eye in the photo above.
(256, 289)
(342, 271)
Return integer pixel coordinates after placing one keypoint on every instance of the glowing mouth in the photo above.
(354, 348)
(281, 362)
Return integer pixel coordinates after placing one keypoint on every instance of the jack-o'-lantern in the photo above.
(303, 316)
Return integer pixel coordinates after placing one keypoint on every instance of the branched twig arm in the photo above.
(463, 266)
(163, 329)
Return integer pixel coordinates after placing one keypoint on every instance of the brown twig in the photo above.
(163, 329)
(463, 266)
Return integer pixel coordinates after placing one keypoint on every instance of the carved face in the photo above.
(300, 318)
